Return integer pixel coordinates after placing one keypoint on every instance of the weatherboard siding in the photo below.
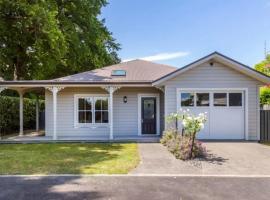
(217, 76)
(125, 116)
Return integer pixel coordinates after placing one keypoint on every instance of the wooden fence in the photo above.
(265, 125)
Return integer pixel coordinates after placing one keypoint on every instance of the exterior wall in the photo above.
(125, 116)
(217, 76)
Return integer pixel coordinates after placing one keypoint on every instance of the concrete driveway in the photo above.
(224, 158)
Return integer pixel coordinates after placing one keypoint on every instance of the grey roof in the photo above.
(136, 71)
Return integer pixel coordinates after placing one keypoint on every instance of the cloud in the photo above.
(162, 56)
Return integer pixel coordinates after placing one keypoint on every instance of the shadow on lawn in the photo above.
(57, 158)
(42, 187)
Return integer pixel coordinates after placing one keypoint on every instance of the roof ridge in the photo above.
(157, 63)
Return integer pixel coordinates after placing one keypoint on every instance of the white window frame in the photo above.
(76, 110)
(102, 110)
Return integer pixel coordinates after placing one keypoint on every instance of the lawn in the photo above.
(100, 158)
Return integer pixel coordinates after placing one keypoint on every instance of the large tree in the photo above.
(44, 39)
(264, 67)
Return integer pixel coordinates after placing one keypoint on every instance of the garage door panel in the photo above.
(227, 124)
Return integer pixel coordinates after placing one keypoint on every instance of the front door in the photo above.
(148, 115)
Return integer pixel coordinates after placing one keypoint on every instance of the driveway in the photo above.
(128, 187)
(224, 158)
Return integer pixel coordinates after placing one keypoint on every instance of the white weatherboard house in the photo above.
(131, 99)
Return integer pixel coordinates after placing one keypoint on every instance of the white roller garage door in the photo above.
(225, 111)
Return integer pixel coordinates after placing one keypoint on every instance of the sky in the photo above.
(177, 32)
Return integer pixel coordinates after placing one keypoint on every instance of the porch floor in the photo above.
(36, 138)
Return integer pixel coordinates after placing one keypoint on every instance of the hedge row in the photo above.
(9, 114)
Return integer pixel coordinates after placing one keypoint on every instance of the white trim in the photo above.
(111, 91)
(258, 113)
(10, 86)
(87, 125)
(245, 103)
(165, 106)
(140, 95)
(21, 93)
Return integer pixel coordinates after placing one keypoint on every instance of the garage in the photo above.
(225, 111)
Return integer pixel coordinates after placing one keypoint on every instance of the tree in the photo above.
(264, 67)
(44, 39)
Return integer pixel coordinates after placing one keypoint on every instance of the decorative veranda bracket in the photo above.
(111, 88)
(2, 89)
(160, 88)
(54, 89)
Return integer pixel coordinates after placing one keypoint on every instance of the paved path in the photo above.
(225, 158)
(175, 188)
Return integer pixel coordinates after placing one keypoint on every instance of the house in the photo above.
(131, 99)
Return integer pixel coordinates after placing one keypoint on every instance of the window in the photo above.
(85, 110)
(119, 72)
(101, 110)
(187, 99)
(202, 99)
(92, 110)
(220, 99)
(235, 99)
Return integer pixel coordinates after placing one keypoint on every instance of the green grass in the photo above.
(102, 158)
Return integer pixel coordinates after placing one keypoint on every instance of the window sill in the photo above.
(92, 126)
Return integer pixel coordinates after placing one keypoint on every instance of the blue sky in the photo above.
(177, 32)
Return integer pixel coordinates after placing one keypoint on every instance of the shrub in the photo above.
(265, 96)
(168, 136)
(9, 114)
(180, 146)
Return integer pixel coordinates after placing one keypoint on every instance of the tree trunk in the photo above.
(192, 145)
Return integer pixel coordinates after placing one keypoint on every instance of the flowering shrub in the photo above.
(193, 124)
(185, 147)
(180, 146)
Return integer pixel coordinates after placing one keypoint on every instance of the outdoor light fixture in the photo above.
(125, 99)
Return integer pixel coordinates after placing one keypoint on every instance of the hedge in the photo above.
(9, 114)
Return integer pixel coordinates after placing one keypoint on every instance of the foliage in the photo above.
(174, 118)
(9, 114)
(103, 158)
(264, 67)
(191, 124)
(167, 136)
(180, 146)
(265, 96)
(44, 39)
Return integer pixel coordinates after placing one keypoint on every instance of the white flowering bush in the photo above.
(185, 146)
(193, 124)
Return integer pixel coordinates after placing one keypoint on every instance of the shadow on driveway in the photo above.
(42, 187)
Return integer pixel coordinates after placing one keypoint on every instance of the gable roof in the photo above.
(140, 72)
(216, 56)
(136, 71)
